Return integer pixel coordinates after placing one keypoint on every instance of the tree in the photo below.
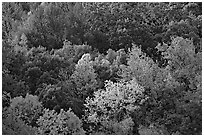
(185, 66)
(27, 109)
(84, 77)
(112, 107)
(64, 123)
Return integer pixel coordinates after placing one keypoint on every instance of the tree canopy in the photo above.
(102, 68)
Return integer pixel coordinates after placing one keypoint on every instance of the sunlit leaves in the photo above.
(115, 104)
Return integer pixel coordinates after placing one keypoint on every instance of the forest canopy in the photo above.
(102, 68)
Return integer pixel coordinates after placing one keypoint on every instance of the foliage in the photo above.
(102, 68)
(171, 88)
(12, 86)
(13, 60)
(63, 123)
(152, 130)
(43, 67)
(92, 57)
(6, 97)
(141, 67)
(185, 66)
(50, 24)
(12, 15)
(84, 76)
(61, 96)
(144, 24)
(147, 72)
(13, 125)
(26, 109)
(115, 104)
(21, 116)
(120, 24)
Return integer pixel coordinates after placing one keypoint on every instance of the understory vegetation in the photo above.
(101, 68)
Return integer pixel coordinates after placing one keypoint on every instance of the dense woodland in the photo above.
(102, 68)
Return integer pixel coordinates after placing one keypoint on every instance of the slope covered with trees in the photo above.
(102, 68)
